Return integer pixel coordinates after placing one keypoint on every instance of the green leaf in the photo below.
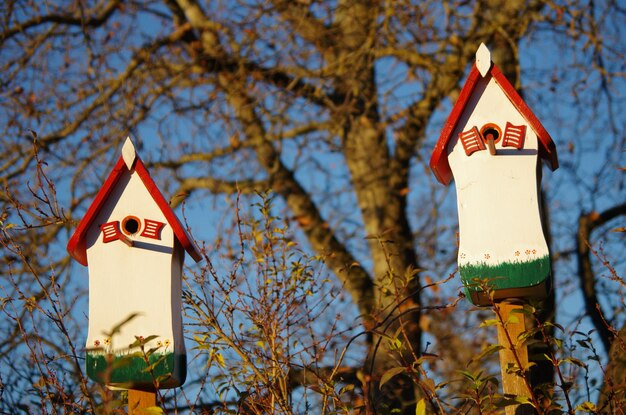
(506, 400)
(395, 344)
(420, 408)
(584, 343)
(529, 365)
(469, 375)
(118, 327)
(140, 341)
(489, 350)
(390, 373)
(512, 319)
(490, 322)
(575, 361)
(587, 407)
(522, 399)
(557, 342)
(557, 326)
(153, 410)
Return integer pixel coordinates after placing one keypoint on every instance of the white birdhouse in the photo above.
(134, 247)
(491, 144)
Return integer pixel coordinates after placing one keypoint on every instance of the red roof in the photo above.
(439, 159)
(76, 245)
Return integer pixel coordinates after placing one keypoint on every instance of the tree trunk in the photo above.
(612, 398)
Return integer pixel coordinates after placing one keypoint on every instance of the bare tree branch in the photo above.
(587, 223)
(98, 17)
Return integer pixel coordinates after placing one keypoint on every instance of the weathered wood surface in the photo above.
(514, 355)
(139, 401)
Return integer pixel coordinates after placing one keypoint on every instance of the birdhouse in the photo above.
(491, 145)
(134, 246)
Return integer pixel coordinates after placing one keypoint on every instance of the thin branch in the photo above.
(73, 19)
(313, 376)
(587, 223)
(322, 238)
(190, 184)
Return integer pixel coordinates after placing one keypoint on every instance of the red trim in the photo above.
(76, 245)
(547, 149)
(514, 136)
(439, 159)
(152, 229)
(179, 231)
(110, 231)
(471, 141)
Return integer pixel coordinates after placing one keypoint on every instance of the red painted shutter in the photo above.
(152, 229)
(514, 136)
(471, 141)
(111, 231)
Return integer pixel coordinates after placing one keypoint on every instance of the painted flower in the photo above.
(159, 343)
(528, 252)
(517, 253)
(487, 256)
(462, 256)
(96, 343)
(534, 251)
(107, 342)
(167, 342)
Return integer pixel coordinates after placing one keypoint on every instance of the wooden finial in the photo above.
(128, 153)
(483, 59)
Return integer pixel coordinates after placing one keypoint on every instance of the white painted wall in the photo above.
(497, 196)
(124, 280)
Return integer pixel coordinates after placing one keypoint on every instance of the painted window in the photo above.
(110, 231)
(131, 225)
(514, 136)
(152, 229)
(472, 141)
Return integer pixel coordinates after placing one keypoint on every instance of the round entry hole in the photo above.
(491, 130)
(131, 225)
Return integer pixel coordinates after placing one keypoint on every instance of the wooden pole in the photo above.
(139, 400)
(513, 354)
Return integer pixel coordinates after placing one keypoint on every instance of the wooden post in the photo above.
(513, 354)
(139, 400)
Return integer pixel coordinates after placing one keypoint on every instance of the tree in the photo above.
(334, 106)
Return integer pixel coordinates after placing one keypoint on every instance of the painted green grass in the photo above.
(133, 369)
(514, 274)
